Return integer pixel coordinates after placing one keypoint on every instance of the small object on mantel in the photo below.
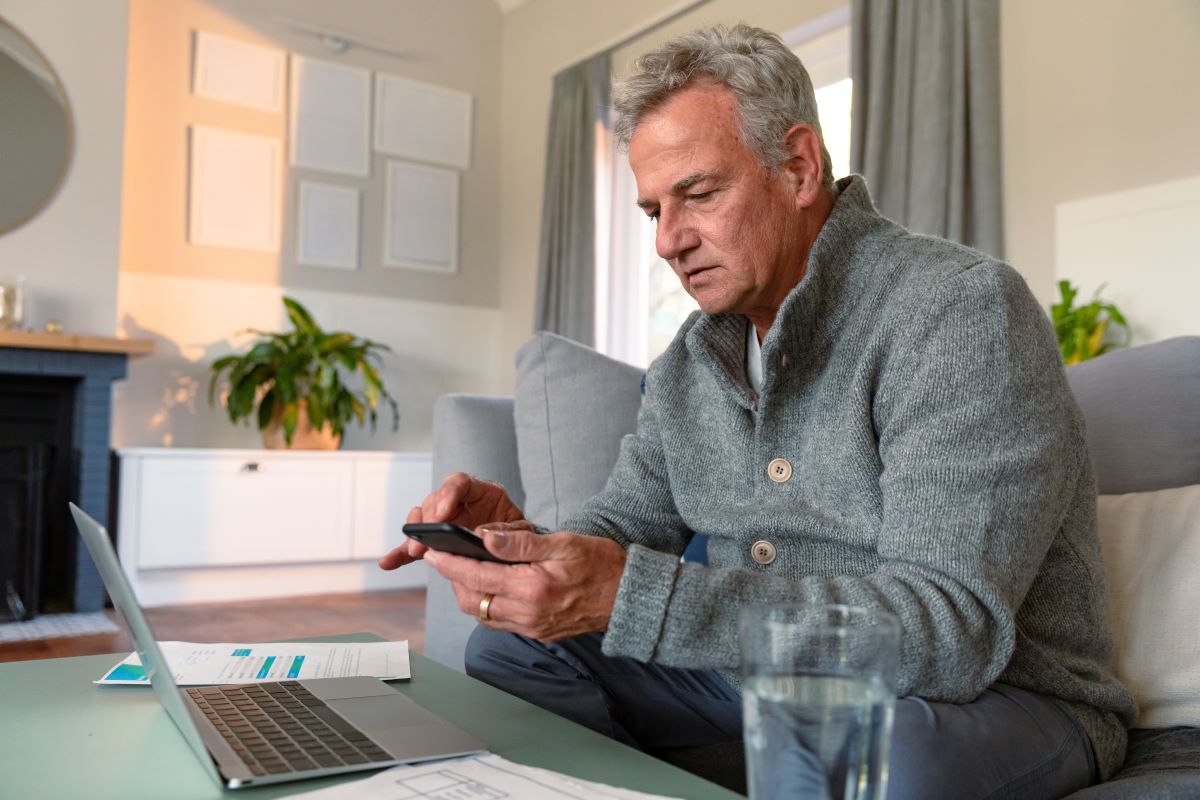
(54, 326)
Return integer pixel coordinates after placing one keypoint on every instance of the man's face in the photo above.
(727, 225)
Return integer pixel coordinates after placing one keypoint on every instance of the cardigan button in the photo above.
(779, 470)
(763, 552)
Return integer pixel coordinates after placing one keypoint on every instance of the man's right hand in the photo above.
(462, 500)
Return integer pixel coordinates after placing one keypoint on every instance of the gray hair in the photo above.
(772, 87)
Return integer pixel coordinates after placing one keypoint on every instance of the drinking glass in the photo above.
(819, 689)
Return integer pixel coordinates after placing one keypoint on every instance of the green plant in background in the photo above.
(1081, 330)
(304, 366)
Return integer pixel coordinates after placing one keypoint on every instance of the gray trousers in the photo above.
(1009, 743)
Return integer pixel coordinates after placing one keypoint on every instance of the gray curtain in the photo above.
(926, 118)
(566, 257)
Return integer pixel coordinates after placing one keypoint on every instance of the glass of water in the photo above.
(819, 690)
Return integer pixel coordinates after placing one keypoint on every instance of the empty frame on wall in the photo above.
(330, 117)
(422, 122)
(327, 226)
(421, 217)
(238, 72)
(235, 187)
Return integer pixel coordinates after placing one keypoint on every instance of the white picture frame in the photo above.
(327, 225)
(421, 217)
(330, 123)
(238, 72)
(419, 121)
(235, 190)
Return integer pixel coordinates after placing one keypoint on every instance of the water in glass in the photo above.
(817, 736)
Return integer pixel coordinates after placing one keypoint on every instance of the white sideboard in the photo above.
(206, 525)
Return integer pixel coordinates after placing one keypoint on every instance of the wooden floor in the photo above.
(393, 615)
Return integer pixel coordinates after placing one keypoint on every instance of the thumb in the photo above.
(517, 542)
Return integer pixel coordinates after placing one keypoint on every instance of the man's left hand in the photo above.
(567, 587)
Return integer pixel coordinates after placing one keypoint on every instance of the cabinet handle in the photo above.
(252, 466)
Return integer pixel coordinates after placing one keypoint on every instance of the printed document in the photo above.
(201, 664)
(486, 777)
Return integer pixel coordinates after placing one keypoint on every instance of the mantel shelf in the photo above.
(72, 342)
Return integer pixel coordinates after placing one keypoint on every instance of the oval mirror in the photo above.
(35, 129)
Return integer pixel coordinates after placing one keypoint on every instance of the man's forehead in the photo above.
(684, 140)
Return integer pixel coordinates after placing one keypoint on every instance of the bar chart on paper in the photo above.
(195, 664)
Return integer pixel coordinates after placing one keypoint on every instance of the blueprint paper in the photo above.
(202, 664)
(484, 777)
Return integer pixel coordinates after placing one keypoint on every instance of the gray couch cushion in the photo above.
(472, 434)
(572, 408)
(1142, 407)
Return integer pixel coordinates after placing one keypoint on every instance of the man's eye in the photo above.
(701, 195)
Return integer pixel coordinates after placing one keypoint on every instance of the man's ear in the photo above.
(804, 168)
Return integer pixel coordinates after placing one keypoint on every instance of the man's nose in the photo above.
(674, 236)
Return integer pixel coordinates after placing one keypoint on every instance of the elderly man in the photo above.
(857, 415)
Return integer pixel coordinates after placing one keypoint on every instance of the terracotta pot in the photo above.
(305, 437)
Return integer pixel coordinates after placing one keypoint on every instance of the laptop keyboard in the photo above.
(281, 727)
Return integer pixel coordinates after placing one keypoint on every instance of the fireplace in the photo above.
(55, 435)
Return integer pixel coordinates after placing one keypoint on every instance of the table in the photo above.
(63, 737)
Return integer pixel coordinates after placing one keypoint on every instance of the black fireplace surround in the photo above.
(55, 440)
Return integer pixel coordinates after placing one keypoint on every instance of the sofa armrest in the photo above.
(473, 434)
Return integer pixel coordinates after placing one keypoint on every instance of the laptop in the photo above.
(262, 733)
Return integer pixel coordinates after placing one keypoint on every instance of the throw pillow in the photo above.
(572, 408)
(1143, 418)
(1151, 544)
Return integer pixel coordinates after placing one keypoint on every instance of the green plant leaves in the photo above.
(306, 364)
(1081, 330)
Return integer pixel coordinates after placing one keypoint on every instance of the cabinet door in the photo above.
(225, 511)
(384, 493)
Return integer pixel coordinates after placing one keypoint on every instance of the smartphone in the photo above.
(450, 538)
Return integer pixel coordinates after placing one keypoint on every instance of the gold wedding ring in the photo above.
(485, 606)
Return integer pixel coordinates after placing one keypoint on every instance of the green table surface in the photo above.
(61, 736)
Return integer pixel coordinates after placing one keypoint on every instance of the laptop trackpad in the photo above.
(383, 712)
(404, 729)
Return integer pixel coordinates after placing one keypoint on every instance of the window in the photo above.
(640, 304)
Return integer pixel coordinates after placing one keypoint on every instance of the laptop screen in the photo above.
(100, 546)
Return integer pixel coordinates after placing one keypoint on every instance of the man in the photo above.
(859, 415)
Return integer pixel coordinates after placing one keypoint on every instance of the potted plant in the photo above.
(296, 383)
(1081, 330)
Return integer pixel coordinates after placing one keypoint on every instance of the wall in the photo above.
(540, 38)
(69, 251)
(1099, 96)
(191, 299)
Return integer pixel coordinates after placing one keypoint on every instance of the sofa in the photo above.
(553, 444)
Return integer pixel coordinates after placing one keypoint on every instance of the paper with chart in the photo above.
(486, 777)
(198, 664)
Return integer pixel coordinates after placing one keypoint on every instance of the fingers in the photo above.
(517, 541)
(504, 613)
(405, 553)
(440, 505)
(478, 576)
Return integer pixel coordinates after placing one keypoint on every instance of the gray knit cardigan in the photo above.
(938, 471)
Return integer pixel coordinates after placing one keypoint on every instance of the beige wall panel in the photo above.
(1099, 96)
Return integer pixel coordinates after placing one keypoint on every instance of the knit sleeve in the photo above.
(636, 505)
(981, 451)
